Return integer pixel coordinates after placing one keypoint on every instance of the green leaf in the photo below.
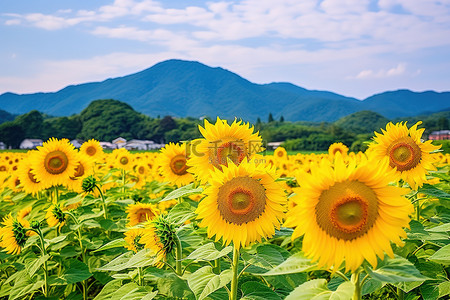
(267, 256)
(130, 291)
(433, 191)
(75, 271)
(183, 191)
(127, 260)
(444, 288)
(396, 270)
(429, 291)
(204, 282)
(35, 264)
(253, 290)
(442, 256)
(172, 286)
(441, 228)
(23, 285)
(317, 289)
(181, 212)
(209, 252)
(113, 244)
(295, 263)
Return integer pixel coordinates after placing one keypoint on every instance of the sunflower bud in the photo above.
(35, 224)
(89, 183)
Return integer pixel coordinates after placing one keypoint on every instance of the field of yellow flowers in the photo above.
(217, 218)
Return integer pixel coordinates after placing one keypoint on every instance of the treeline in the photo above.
(106, 120)
(103, 120)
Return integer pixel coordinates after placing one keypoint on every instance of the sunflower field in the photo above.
(217, 218)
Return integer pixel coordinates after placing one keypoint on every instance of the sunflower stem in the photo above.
(140, 278)
(234, 280)
(355, 280)
(178, 256)
(105, 213)
(43, 253)
(83, 255)
(216, 268)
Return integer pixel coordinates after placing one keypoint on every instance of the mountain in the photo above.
(187, 88)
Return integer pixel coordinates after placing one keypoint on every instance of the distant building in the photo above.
(142, 145)
(2, 146)
(273, 145)
(439, 135)
(120, 142)
(76, 143)
(30, 143)
(107, 145)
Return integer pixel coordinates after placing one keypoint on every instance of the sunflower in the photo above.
(221, 143)
(335, 148)
(141, 212)
(133, 238)
(55, 216)
(54, 162)
(242, 204)
(123, 159)
(172, 164)
(82, 170)
(351, 210)
(280, 154)
(92, 149)
(13, 235)
(27, 178)
(407, 154)
(159, 237)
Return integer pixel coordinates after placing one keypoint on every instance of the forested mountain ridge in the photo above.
(186, 88)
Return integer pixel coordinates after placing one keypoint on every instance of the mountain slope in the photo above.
(187, 88)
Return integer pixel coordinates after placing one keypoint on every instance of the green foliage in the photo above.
(11, 134)
(362, 122)
(31, 123)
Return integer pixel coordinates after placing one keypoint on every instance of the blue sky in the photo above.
(353, 47)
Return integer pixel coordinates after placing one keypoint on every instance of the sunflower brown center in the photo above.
(141, 170)
(347, 210)
(241, 200)
(178, 164)
(56, 162)
(79, 171)
(144, 214)
(280, 153)
(336, 150)
(31, 176)
(404, 154)
(91, 150)
(124, 160)
(2, 168)
(235, 151)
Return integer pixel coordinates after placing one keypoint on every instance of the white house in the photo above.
(76, 143)
(107, 145)
(120, 142)
(30, 143)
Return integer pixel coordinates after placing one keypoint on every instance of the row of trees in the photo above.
(106, 120)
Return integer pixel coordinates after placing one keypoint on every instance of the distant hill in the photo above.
(187, 88)
(362, 122)
(6, 116)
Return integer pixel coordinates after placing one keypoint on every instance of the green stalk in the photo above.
(216, 268)
(43, 252)
(178, 256)
(140, 278)
(355, 280)
(83, 255)
(234, 280)
(105, 213)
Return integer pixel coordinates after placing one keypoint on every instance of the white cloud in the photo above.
(382, 73)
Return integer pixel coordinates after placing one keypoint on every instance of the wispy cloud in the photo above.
(382, 73)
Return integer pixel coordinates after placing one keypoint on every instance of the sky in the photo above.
(356, 48)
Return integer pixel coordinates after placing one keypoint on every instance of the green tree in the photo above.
(11, 134)
(270, 119)
(109, 119)
(443, 123)
(62, 127)
(281, 119)
(31, 123)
